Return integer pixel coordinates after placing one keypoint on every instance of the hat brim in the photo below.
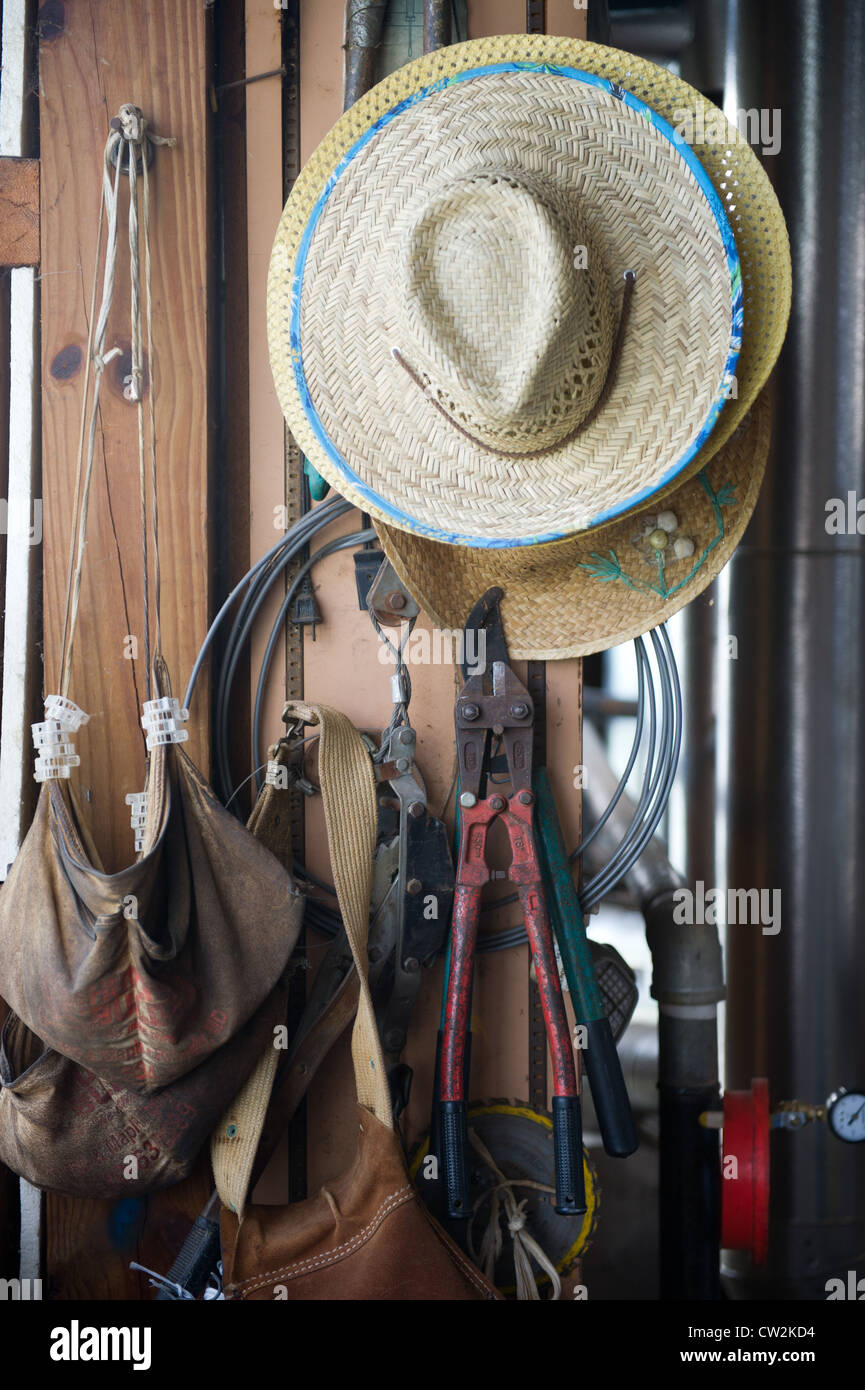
(575, 597)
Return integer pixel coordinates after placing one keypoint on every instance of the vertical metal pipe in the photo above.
(436, 24)
(798, 698)
(688, 983)
(702, 63)
(699, 736)
(598, 21)
(690, 1169)
(364, 25)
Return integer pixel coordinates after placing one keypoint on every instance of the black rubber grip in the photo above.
(568, 1150)
(454, 1132)
(197, 1260)
(609, 1093)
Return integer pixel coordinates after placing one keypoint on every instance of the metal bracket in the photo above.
(389, 599)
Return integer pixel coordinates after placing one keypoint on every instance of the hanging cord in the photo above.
(125, 142)
(95, 356)
(526, 1248)
(135, 136)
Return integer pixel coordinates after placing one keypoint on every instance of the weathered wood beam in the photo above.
(94, 56)
(19, 212)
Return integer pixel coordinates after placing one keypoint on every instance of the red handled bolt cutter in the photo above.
(494, 705)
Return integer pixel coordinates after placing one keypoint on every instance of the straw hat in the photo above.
(584, 595)
(453, 339)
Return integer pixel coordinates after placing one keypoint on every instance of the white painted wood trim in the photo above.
(13, 88)
(24, 536)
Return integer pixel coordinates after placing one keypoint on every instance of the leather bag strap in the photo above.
(348, 794)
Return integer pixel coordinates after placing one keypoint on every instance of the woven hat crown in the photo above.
(505, 309)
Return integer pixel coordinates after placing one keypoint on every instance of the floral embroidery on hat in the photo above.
(661, 545)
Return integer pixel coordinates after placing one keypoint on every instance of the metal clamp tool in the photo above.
(411, 924)
(501, 708)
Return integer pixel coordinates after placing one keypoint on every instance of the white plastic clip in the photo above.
(67, 713)
(162, 720)
(138, 819)
(56, 754)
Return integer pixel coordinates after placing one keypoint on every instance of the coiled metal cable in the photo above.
(658, 714)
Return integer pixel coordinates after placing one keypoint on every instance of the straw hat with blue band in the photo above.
(447, 297)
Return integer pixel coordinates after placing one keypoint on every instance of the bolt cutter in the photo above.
(494, 704)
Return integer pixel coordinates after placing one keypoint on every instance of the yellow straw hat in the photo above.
(584, 595)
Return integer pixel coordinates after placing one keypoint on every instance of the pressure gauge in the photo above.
(845, 1115)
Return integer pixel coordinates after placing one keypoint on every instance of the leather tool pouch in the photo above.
(65, 1128)
(141, 975)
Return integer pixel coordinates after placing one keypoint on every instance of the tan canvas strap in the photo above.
(270, 820)
(348, 794)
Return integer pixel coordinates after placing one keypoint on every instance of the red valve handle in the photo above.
(745, 1171)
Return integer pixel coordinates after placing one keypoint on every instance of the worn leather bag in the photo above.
(141, 975)
(66, 1129)
(367, 1235)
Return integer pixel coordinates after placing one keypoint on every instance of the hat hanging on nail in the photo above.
(505, 301)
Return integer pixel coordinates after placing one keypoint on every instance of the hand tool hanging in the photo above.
(413, 885)
(599, 1052)
(416, 911)
(500, 709)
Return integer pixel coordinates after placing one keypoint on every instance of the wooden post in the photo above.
(95, 55)
(99, 55)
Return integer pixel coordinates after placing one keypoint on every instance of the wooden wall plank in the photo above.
(567, 18)
(19, 548)
(486, 17)
(105, 53)
(19, 212)
(95, 55)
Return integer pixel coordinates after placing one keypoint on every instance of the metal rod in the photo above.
(364, 26)
(436, 24)
(686, 970)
